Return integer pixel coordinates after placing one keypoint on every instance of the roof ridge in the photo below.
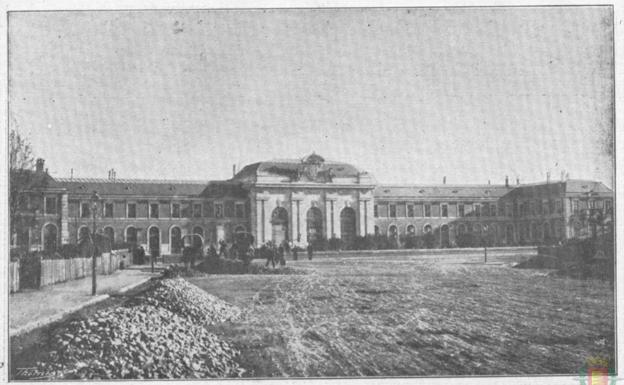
(122, 180)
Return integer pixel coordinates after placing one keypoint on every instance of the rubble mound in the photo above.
(188, 300)
(161, 334)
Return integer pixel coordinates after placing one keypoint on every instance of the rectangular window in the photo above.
(445, 211)
(85, 210)
(383, 211)
(410, 211)
(427, 210)
(197, 209)
(175, 210)
(460, 208)
(228, 209)
(108, 210)
(240, 210)
(559, 206)
(477, 210)
(509, 209)
(392, 211)
(218, 210)
(376, 211)
(592, 204)
(501, 209)
(131, 210)
(545, 208)
(486, 209)
(153, 210)
(50, 205)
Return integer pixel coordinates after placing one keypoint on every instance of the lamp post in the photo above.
(95, 198)
(484, 240)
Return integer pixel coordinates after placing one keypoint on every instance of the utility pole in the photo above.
(94, 200)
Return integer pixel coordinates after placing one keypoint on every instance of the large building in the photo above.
(303, 201)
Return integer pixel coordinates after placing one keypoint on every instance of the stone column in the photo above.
(260, 221)
(328, 218)
(64, 210)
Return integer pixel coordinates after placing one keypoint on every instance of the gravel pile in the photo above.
(160, 335)
(186, 299)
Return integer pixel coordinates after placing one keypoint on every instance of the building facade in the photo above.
(302, 201)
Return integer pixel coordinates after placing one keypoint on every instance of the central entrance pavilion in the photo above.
(304, 200)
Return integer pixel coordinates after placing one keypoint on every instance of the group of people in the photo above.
(274, 253)
(271, 251)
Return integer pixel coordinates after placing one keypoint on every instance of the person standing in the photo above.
(270, 255)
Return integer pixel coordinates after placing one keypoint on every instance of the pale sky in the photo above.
(410, 95)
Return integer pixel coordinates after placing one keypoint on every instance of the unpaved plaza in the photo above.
(404, 316)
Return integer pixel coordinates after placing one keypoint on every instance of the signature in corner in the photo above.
(33, 373)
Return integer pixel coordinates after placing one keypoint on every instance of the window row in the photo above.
(436, 210)
(227, 209)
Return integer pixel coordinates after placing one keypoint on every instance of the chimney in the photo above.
(444, 180)
(71, 174)
(233, 170)
(489, 182)
(548, 177)
(506, 181)
(518, 181)
(567, 176)
(40, 163)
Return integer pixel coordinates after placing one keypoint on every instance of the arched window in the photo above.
(50, 236)
(131, 235)
(427, 229)
(411, 230)
(175, 238)
(197, 241)
(392, 231)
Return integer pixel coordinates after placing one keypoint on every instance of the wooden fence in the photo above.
(14, 269)
(61, 270)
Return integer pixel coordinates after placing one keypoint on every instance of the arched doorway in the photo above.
(445, 240)
(198, 241)
(50, 235)
(547, 234)
(509, 234)
(131, 235)
(84, 235)
(314, 224)
(347, 226)
(109, 234)
(154, 241)
(175, 238)
(393, 236)
(279, 225)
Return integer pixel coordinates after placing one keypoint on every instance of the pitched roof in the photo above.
(290, 167)
(440, 191)
(585, 186)
(131, 186)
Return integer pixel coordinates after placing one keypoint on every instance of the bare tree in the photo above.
(21, 179)
(20, 153)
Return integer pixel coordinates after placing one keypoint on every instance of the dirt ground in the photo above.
(402, 316)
